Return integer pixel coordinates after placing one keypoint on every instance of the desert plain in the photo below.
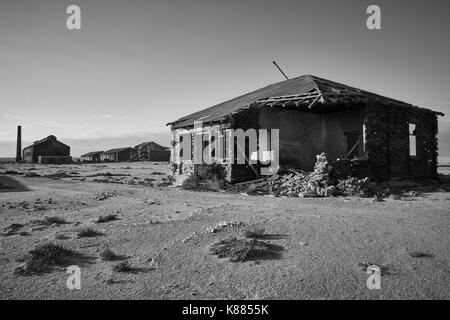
(165, 233)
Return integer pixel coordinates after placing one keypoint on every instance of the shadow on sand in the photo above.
(9, 184)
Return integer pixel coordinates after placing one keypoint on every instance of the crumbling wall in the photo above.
(181, 169)
(246, 119)
(377, 143)
(334, 127)
(387, 142)
(424, 164)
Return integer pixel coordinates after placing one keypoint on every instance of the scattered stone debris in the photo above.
(31, 175)
(166, 182)
(12, 229)
(58, 175)
(151, 202)
(60, 236)
(105, 195)
(223, 225)
(11, 172)
(88, 233)
(124, 266)
(189, 238)
(108, 174)
(245, 249)
(49, 221)
(417, 254)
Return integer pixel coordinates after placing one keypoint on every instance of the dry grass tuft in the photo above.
(244, 249)
(88, 233)
(254, 232)
(43, 258)
(109, 255)
(124, 266)
(107, 218)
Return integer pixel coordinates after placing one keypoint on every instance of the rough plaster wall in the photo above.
(335, 125)
(303, 135)
(300, 135)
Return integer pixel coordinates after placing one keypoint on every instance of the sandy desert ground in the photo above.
(165, 233)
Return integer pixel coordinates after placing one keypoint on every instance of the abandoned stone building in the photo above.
(379, 137)
(150, 151)
(93, 156)
(116, 155)
(46, 151)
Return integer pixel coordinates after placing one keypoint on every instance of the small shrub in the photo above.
(108, 255)
(53, 220)
(244, 249)
(42, 258)
(60, 236)
(204, 174)
(107, 218)
(124, 266)
(253, 232)
(194, 183)
(213, 172)
(88, 233)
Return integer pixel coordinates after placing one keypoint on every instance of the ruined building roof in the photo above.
(46, 139)
(151, 146)
(111, 151)
(305, 92)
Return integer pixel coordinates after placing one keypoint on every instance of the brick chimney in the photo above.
(19, 144)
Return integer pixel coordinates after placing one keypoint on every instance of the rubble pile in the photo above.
(322, 182)
(224, 225)
(353, 186)
(297, 183)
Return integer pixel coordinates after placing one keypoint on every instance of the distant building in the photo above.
(46, 151)
(151, 151)
(116, 155)
(93, 156)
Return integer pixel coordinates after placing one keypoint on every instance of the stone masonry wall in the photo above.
(387, 142)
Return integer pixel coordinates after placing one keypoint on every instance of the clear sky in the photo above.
(136, 65)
